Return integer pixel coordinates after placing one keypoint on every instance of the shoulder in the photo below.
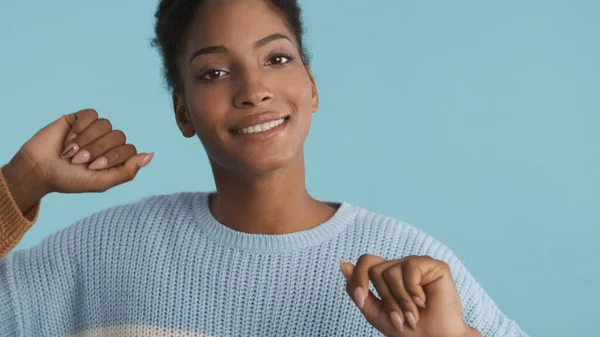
(391, 238)
(116, 227)
(145, 211)
(394, 238)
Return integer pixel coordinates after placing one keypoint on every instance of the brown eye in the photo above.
(213, 74)
(279, 59)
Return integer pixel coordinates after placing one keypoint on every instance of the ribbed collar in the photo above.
(218, 232)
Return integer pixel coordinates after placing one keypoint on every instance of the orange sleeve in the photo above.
(13, 223)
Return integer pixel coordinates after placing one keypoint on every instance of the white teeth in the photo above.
(261, 127)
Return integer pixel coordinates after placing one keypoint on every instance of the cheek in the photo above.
(301, 96)
(301, 93)
(209, 106)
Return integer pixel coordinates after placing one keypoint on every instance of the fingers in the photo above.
(113, 139)
(399, 283)
(372, 307)
(92, 140)
(116, 156)
(400, 291)
(434, 277)
(122, 173)
(390, 302)
(387, 278)
(94, 131)
(359, 281)
(80, 121)
(416, 271)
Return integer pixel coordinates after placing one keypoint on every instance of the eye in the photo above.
(213, 74)
(279, 59)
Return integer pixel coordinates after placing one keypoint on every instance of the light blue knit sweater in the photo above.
(165, 267)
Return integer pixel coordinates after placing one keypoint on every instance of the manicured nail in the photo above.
(70, 138)
(343, 269)
(146, 160)
(81, 157)
(70, 150)
(359, 298)
(419, 302)
(397, 321)
(99, 163)
(411, 320)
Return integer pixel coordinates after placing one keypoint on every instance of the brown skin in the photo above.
(39, 168)
(260, 184)
(419, 289)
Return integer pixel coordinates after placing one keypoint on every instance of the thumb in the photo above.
(126, 172)
(372, 307)
(135, 163)
(64, 124)
(58, 128)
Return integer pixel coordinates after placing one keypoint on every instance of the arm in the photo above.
(8, 311)
(479, 309)
(20, 199)
(38, 169)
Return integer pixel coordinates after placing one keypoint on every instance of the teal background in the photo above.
(476, 121)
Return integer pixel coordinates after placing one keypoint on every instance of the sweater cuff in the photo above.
(13, 223)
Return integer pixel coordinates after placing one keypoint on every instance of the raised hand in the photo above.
(418, 297)
(76, 153)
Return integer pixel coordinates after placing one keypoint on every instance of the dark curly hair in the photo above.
(173, 18)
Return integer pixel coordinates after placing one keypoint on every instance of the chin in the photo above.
(269, 164)
(259, 162)
(259, 158)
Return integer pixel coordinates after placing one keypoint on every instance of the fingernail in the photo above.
(411, 320)
(343, 269)
(397, 321)
(70, 138)
(70, 150)
(358, 297)
(99, 163)
(419, 302)
(146, 160)
(81, 157)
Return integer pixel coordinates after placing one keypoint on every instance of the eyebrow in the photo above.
(222, 50)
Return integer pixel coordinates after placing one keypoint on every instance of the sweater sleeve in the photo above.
(479, 309)
(8, 312)
(13, 223)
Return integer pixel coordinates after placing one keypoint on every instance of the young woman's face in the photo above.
(242, 75)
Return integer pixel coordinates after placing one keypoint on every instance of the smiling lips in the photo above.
(260, 127)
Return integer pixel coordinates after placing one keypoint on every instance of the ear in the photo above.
(315, 93)
(182, 116)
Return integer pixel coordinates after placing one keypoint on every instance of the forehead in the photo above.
(235, 23)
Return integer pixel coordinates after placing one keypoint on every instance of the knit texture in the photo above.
(13, 223)
(164, 266)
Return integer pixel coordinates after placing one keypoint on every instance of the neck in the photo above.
(271, 203)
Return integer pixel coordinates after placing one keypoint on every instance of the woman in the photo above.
(256, 258)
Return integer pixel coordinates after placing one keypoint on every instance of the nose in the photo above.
(252, 93)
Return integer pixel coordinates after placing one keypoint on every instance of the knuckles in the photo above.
(374, 272)
(412, 262)
(104, 123)
(365, 258)
(90, 112)
(405, 265)
(120, 135)
(368, 259)
(390, 273)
